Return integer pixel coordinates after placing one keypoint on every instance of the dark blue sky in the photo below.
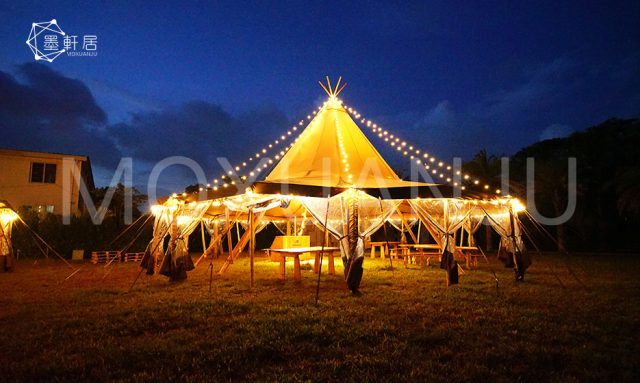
(206, 79)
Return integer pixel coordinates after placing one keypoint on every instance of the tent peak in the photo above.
(333, 92)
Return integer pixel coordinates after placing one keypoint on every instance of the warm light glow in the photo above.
(156, 209)
(517, 206)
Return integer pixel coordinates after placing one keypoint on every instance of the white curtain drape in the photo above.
(351, 216)
(186, 218)
(444, 216)
(6, 249)
(155, 248)
(500, 219)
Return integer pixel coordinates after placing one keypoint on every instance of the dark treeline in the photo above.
(82, 233)
(607, 214)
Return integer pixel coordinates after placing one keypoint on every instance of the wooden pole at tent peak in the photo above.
(324, 87)
(337, 86)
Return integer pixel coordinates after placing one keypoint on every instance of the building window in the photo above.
(50, 209)
(43, 173)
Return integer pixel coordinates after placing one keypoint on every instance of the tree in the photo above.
(487, 168)
(117, 205)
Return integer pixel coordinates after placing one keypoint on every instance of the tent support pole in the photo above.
(215, 241)
(406, 224)
(386, 238)
(324, 242)
(236, 251)
(252, 243)
(204, 243)
(229, 239)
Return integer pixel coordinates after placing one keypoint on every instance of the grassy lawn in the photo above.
(406, 325)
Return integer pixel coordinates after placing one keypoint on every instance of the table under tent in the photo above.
(333, 178)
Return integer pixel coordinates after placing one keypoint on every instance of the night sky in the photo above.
(209, 79)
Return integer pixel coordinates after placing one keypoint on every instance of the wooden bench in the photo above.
(104, 256)
(115, 256)
(425, 251)
(471, 255)
(383, 247)
(133, 257)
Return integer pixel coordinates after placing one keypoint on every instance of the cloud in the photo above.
(199, 130)
(43, 110)
(555, 131)
(501, 122)
(40, 109)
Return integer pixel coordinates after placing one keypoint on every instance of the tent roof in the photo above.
(5, 205)
(333, 152)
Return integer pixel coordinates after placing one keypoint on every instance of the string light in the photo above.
(395, 141)
(262, 152)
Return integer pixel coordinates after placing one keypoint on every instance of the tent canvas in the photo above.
(7, 216)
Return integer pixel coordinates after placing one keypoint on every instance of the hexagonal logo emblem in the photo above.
(45, 40)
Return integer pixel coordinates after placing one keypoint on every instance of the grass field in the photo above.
(406, 325)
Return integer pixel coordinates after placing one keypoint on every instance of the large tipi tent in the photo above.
(332, 176)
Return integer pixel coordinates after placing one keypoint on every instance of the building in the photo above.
(36, 180)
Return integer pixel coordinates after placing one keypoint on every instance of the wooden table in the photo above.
(471, 255)
(295, 253)
(383, 247)
(421, 247)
